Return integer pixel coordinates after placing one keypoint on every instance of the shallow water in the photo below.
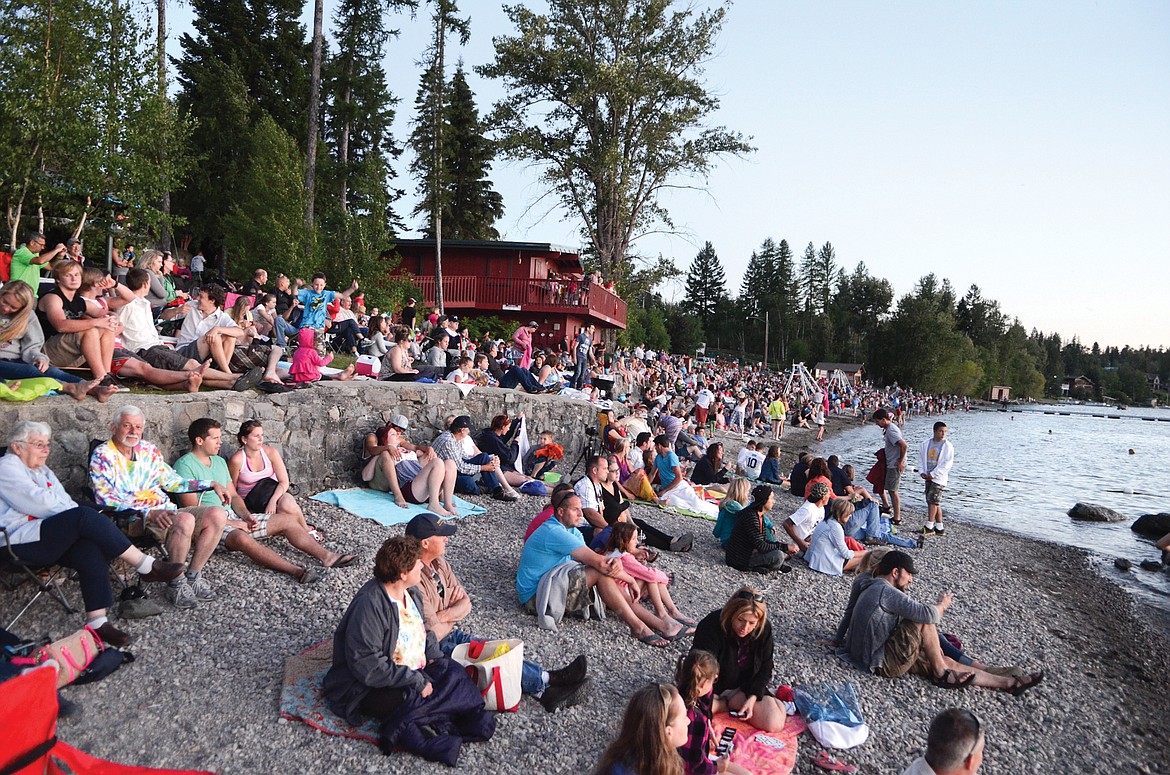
(1022, 470)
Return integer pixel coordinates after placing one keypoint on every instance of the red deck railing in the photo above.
(496, 294)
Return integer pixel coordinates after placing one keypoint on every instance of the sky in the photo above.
(1020, 146)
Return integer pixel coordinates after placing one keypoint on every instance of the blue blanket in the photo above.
(380, 506)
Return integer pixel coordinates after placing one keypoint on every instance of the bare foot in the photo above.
(101, 392)
(438, 510)
(194, 380)
(203, 367)
(451, 508)
(77, 390)
(347, 374)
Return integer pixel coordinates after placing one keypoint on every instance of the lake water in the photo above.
(1024, 469)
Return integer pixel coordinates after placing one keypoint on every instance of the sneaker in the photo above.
(501, 494)
(572, 673)
(940, 531)
(927, 531)
(182, 595)
(201, 587)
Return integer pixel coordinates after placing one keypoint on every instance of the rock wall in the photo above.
(319, 430)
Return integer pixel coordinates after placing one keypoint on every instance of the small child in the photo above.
(696, 675)
(623, 544)
(307, 361)
(543, 457)
(461, 373)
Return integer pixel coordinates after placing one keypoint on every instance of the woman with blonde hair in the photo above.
(740, 637)
(739, 494)
(654, 726)
(827, 552)
(21, 338)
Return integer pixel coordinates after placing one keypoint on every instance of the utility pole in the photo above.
(767, 314)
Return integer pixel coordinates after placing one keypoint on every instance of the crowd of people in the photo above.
(584, 553)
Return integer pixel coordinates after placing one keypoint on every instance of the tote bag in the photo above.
(498, 677)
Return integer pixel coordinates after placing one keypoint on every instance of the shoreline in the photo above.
(204, 691)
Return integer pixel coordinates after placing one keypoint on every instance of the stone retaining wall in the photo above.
(319, 430)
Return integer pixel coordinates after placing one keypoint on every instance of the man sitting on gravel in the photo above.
(954, 745)
(811, 513)
(889, 633)
(449, 446)
(446, 603)
(558, 571)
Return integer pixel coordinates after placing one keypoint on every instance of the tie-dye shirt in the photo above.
(141, 482)
(411, 648)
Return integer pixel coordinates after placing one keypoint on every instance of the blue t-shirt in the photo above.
(666, 463)
(314, 304)
(549, 545)
(189, 467)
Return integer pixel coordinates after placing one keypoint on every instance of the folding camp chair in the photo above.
(30, 746)
(15, 572)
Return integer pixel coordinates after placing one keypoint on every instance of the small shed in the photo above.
(999, 393)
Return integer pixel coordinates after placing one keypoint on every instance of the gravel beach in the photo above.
(203, 692)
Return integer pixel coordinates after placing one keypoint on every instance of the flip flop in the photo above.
(832, 763)
(1026, 683)
(655, 640)
(950, 680)
(273, 387)
(684, 632)
(688, 621)
(344, 561)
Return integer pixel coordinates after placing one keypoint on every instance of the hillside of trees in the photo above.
(931, 338)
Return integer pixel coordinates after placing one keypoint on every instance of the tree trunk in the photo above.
(343, 141)
(165, 205)
(314, 114)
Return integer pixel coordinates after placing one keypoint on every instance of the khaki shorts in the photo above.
(904, 652)
(166, 358)
(64, 350)
(261, 531)
(934, 493)
(160, 534)
(893, 479)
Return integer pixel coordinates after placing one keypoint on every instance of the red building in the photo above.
(517, 281)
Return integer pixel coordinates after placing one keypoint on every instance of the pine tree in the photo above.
(706, 286)
(474, 205)
(254, 49)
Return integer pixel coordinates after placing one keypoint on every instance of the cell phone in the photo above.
(726, 744)
(737, 714)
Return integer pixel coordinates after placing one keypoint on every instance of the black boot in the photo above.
(556, 697)
(572, 673)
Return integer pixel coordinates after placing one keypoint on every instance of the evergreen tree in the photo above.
(468, 203)
(254, 49)
(752, 287)
(706, 287)
(808, 282)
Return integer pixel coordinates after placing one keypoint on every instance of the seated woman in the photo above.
(44, 526)
(382, 645)
(21, 339)
(549, 375)
(411, 473)
(740, 637)
(827, 552)
(770, 471)
(635, 484)
(798, 479)
(818, 471)
(738, 496)
(710, 468)
(752, 544)
(396, 366)
(436, 354)
(498, 440)
(261, 479)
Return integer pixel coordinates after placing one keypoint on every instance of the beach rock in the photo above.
(1152, 525)
(1151, 565)
(1122, 564)
(1091, 512)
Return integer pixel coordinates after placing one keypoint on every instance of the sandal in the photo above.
(655, 640)
(832, 763)
(1026, 683)
(950, 680)
(688, 621)
(344, 560)
(683, 632)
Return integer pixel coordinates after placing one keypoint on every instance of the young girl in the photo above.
(652, 583)
(696, 675)
(827, 551)
(654, 726)
(738, 496)
(770, 472)
(307, 362)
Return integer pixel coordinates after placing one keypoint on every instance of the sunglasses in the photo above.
(978, 731)
(745, 595)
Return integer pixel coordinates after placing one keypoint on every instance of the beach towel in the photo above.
(302, 698)
(754, 752)
(380, 506)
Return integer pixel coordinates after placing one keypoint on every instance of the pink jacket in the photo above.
(306, 361)
(523, 340)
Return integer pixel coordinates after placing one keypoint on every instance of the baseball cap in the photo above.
(895, 559)
(460, 422)
(428, 525)
(400, 421)
(817, 492)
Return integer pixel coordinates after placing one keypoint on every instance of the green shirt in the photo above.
(25, 270)
(189, 467)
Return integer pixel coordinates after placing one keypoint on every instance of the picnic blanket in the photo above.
(302, 699)
(756, 756)
(380, 506)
